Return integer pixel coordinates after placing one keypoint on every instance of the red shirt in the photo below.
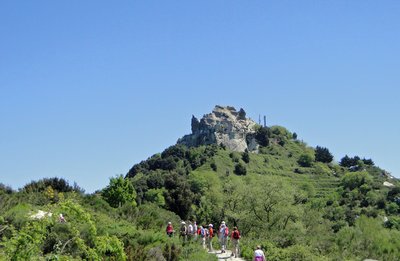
(170, 229)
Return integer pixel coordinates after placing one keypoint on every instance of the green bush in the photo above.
(119, 192)
(240, 169)
(305, 160)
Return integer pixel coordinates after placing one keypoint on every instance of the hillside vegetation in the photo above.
(289, 198)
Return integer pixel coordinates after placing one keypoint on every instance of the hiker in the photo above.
(183, 231)
(61, 218)
(195, 232)
(235, 242)
(170, 229)
(190, 231)
(203, 236)
(210, 237)
(259, 254)
(223, 233)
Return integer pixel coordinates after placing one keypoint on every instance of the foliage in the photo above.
(110, 247)
(356, 180)
(240, 169)
(323, 155)
(5, 189)
(25, 244)
(178, 195)
(246, 156)
(262, 136)
(58, 184)
(119, 192)
(305, 160)
(329, 212)
(347, 161)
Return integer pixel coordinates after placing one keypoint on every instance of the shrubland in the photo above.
(290, 198)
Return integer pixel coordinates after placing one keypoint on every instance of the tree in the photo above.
(119, 192)
(368, 162)
(178, 196)
(348, 162)
(260, 204)
(294, 135)
(262, 136)
(323, 155)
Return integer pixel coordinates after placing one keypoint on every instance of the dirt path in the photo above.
(227, 256)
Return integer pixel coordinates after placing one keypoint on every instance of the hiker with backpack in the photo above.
(203, 235)
(183, 231)
(235, 242)
(210, 237)
(170, 229)
(223, 233)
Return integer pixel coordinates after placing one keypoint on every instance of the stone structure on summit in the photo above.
(224, 125)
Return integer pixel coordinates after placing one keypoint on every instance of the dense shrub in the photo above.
(5, 189)
(240, 169)
(262, 136)
(305, 160)
(246, 156)
(355, 180)
(58, 184)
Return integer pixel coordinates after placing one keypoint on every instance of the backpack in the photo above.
(203, 232)
(183, 230)
(226, 231)
(236, 234)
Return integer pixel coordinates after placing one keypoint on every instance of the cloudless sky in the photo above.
(89, 88)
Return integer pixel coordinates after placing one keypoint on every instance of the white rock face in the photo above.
(223, 126)
(388, 184)
(41, 214)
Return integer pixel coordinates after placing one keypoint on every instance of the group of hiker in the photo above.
(205, 233)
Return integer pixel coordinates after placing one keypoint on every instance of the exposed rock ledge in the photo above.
(224, 126)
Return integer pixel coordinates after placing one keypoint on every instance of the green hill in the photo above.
(286, 196)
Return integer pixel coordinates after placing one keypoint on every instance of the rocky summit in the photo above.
(226, 126)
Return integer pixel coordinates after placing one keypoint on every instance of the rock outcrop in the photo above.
(224, 126)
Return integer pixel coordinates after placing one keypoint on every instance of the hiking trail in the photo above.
(226, 256)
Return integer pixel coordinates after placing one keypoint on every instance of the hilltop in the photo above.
(226, 126)
(282, 194)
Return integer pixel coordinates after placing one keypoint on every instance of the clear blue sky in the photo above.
(89, 88)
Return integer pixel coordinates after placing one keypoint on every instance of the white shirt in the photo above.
(258, 252)
(190, 229)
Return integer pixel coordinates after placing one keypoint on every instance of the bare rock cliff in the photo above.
(224, 125)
